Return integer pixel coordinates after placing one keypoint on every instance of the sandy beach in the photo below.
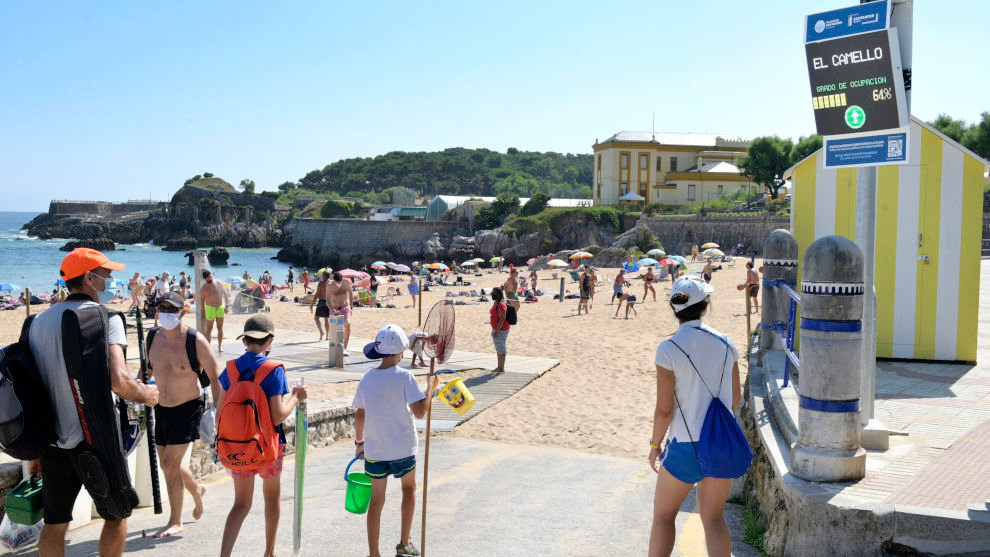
(601, 396)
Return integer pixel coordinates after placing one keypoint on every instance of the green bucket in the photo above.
(358, 494)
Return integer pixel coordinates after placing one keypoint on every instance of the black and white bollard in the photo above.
(828, 446)
(780, 259)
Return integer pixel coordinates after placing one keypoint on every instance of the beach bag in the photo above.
(246, 437)
(14, 536)
(204, 379)
(208, 425)
(511, 316)
(27, 419)
(722, 448)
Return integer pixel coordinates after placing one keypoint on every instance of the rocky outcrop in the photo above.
(122, 230)
(218, 256)
(490, 243)
(631, 238)
(181, 244)
(99, 244)
(461, 248)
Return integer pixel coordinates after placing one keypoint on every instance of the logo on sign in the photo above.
(819, 26)
(855, 117)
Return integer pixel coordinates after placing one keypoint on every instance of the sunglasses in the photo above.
(168, 309)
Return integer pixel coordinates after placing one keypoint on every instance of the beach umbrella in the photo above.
(437, 266)
(531, 261)
(470, 263)
(319, 273)
(678, 258)
(401, 268)
(713, 252)
(390, 264)
(557, 263)
(252, 284)
(351, 273)
(667, 261)
(8, 286)
(495, 260)
(656, 252)
(648, 261)
(377, 266)
(581, 255)
(711, 245)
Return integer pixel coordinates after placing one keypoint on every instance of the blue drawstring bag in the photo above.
(722, 448)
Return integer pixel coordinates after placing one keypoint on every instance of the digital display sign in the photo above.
(856, 83)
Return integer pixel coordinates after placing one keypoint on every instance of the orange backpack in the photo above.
(246, 438)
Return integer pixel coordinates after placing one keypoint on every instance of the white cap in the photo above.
(695, 288)
(391, 339)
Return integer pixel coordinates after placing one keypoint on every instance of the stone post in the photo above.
(780, 258)
(200, 263)
(828, 446)
(335, 330)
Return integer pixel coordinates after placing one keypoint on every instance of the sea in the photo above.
(33, 263)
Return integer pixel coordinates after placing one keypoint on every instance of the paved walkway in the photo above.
(545, 501)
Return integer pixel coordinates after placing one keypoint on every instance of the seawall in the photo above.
(335, 241)
(678, 234)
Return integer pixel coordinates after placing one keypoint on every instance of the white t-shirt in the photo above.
(385, 395)
(45, 338)
(713, 354)
(417, 347)
(161, 287)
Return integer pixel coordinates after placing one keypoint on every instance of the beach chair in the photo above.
(384, 298)
(364, 297)
(575, 276)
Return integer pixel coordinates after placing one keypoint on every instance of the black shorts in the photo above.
(61, 476)
(178, 425)
(754, 290)
(322, 309)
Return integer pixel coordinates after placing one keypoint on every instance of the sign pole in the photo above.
(866, 227)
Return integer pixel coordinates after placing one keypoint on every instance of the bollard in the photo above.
(562, 289)
(780, 254)
(27, 300)
(828, 446)
(335, 326)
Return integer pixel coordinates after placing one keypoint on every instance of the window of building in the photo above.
(642, 190)
(599, 190)
(659, 159)
(720, 189)
(599, 163)
(624, 158)
(623, 189)
(644, 161)
(690, 192)
(673, 164)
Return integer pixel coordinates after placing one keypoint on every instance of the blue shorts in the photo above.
(382, 468)
(681, 460)
(616, 289)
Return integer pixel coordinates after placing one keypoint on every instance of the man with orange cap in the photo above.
(86, 273)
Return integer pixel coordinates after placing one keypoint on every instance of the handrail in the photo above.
(785, 329)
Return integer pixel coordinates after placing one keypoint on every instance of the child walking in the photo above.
(238, 382)
(386, 400)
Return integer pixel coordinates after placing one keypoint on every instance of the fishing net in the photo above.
(439, 329)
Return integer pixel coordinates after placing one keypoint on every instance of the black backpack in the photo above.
(204, 379)
(510, 314)
(27, 418)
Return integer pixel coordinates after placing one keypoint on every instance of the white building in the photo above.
(668, 168)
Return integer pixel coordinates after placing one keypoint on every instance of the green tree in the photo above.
(535, 205)
(207, 175)
(766, 161)
(977, 138)
(955, 129)
(805, 146)
(247, 186)
(492, 215)
(286, 187)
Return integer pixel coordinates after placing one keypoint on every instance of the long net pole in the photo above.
(426, 459)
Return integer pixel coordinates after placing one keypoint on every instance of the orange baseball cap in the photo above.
(81, 260)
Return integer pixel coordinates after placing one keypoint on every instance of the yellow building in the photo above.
(929, 226)
(668, 168)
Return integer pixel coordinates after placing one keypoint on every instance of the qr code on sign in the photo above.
(895, 148)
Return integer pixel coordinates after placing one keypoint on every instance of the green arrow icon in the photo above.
(855, 117)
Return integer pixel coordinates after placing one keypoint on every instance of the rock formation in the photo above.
(99, 244)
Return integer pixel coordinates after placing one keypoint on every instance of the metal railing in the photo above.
(785, 329)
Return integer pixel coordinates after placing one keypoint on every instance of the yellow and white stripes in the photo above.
(928, 242)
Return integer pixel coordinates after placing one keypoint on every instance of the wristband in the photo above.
(359, 441)
(652, 446)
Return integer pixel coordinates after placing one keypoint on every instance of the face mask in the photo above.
(168, 321)
(106, 294)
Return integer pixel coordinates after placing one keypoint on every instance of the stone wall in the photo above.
(353, 239)
(101, 208)
(678, 234)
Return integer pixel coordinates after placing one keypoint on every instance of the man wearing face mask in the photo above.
(87, 276)
(172, 351)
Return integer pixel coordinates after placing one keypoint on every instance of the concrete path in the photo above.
(485, 499)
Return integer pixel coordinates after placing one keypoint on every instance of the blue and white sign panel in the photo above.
(872, 16)
(876, 149)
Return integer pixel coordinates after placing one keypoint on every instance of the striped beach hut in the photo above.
(929, 226)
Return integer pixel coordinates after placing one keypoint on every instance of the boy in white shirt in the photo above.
(416, 342)
(386, 400)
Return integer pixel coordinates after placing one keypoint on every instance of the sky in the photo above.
(126, 100)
